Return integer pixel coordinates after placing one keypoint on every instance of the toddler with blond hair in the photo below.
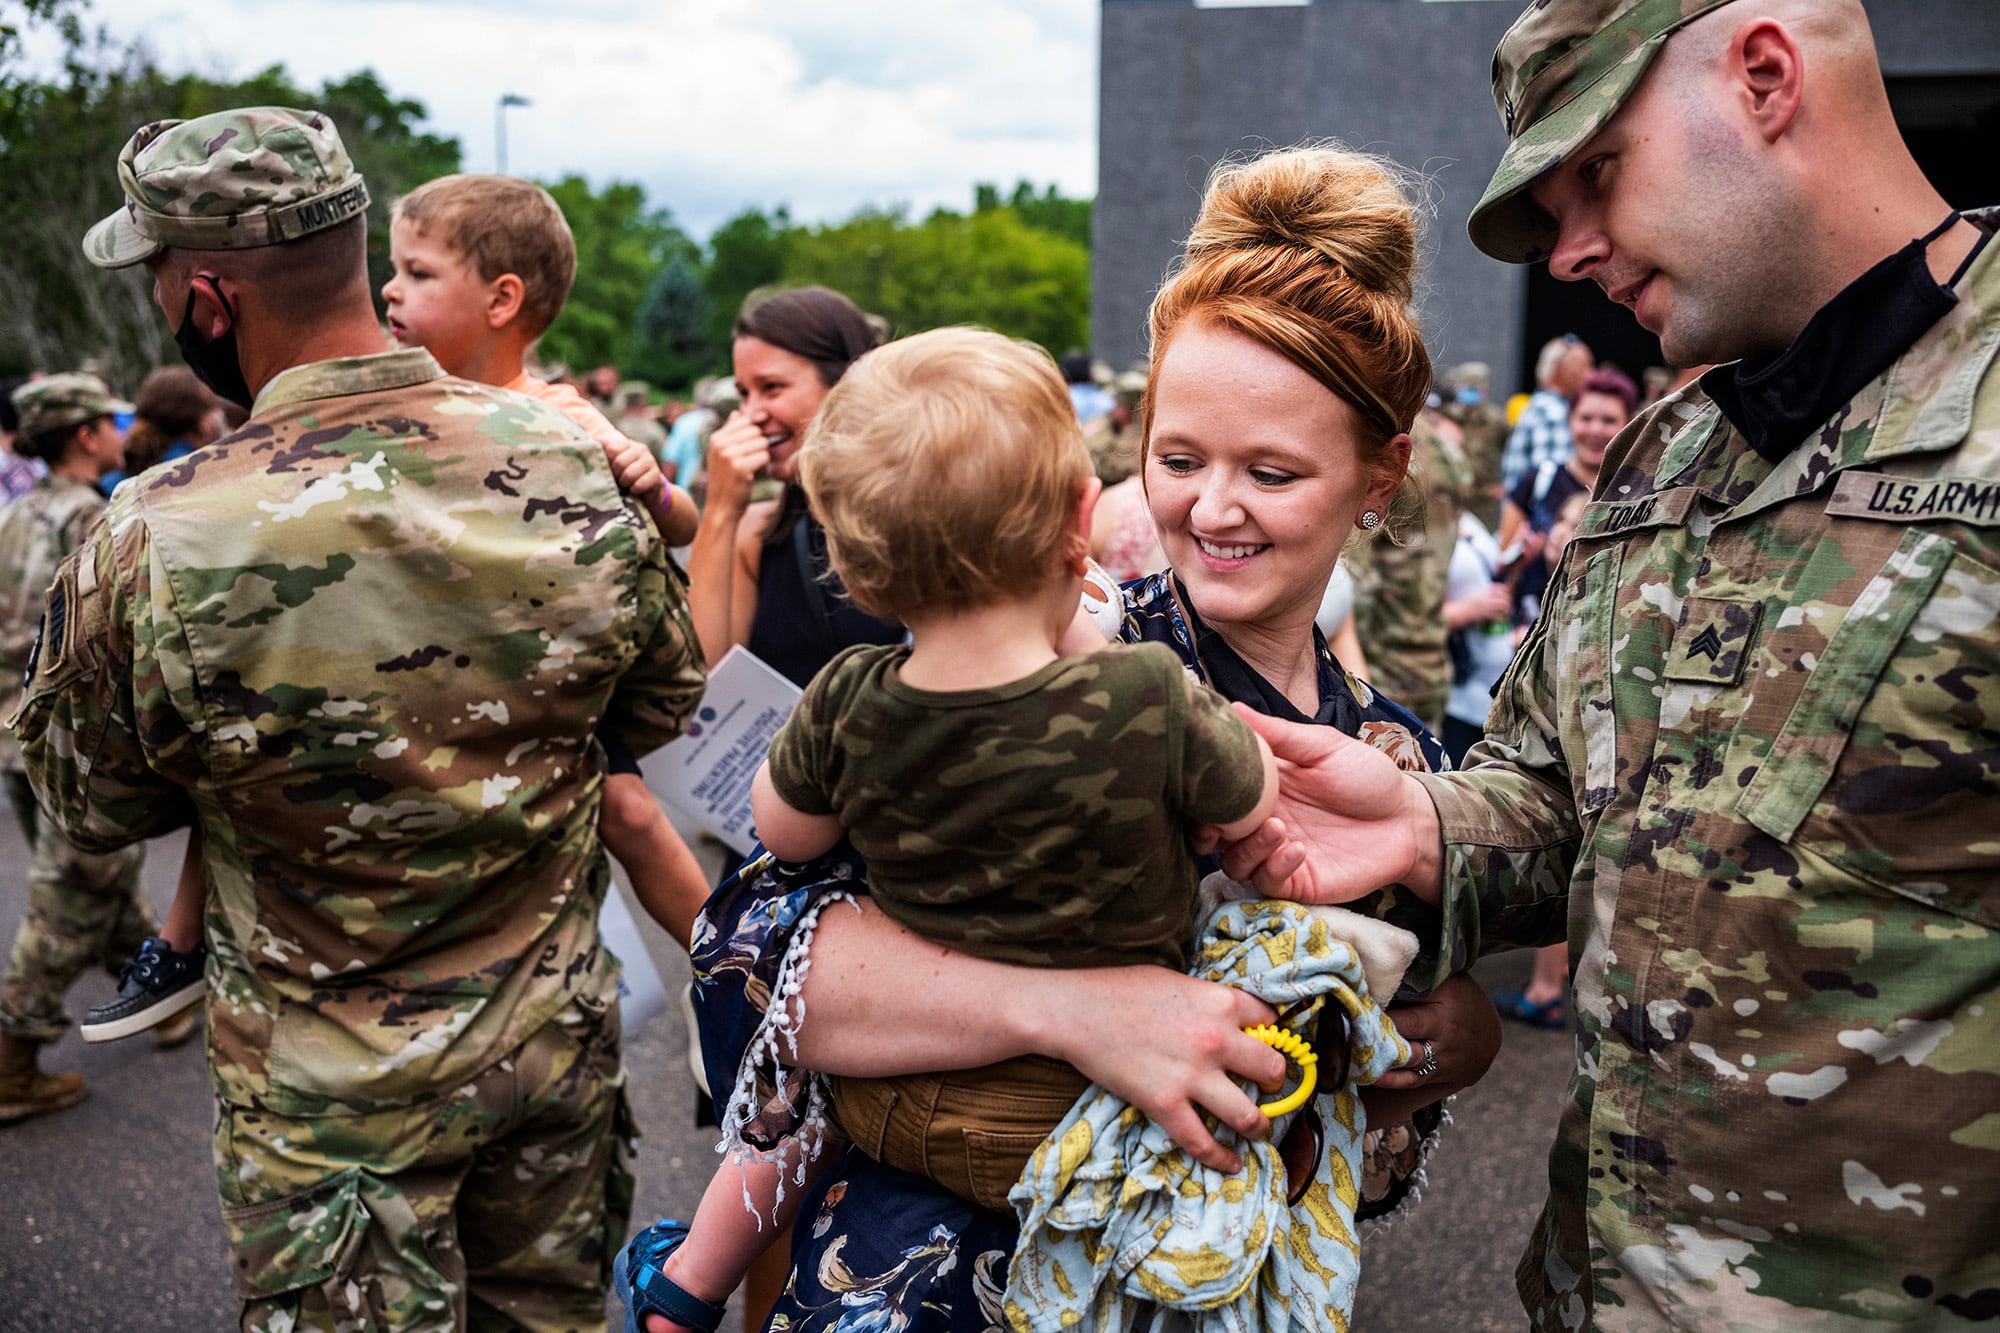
(1010, 801)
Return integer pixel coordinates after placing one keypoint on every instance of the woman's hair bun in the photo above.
(1352, 208)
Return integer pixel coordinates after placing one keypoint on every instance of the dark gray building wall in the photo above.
(1183, 87)
(1936, 36)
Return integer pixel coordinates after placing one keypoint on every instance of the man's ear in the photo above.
(217, 302)
(1768, 72)
(504, 296)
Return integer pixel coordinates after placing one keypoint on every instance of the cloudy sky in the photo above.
(712, 105)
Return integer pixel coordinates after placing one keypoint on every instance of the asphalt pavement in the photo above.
(108, 1212)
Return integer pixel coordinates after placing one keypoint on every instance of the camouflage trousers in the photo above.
(499, 1205)
(82, 910)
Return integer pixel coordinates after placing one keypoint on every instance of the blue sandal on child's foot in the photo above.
(639, 1278)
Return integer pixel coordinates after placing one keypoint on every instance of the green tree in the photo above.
(59, 145)
(32, 12)
(671, 342)
(395, 156)
(1048, 211)
(989, 268)
(745, 253)
(621, 243)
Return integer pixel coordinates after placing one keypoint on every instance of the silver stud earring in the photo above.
(1370, 520)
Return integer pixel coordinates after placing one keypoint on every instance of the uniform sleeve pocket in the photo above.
(58, 658)
(1585, 642)
(298, 1242)
(65, 697)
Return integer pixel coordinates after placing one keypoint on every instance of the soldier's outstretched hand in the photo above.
(1348, 821)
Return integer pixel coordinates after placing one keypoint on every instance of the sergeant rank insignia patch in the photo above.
(1713, 641)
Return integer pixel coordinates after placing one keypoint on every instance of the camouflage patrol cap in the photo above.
(1559, 74)
(56, 402)
(234, 180)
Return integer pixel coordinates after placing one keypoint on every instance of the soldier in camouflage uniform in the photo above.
(365, 643)
(82, 908)
(1113, 439)
(1749, 752)
(1399, 578)
(636, 417)
(1467, 393)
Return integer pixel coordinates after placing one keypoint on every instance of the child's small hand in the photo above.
(633, 464)
(1269, 856)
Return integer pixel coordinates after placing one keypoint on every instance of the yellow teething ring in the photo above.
(1295, 1048)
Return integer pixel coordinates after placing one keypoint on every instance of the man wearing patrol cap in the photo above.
(1113, 438)
(1749, 755)
(364, 643)
(83, 909)
(1465, 390)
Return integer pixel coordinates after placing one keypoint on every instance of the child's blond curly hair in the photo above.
(947, 468)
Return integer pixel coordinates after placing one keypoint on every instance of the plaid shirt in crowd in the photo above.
(18, 475)
(1541, 436)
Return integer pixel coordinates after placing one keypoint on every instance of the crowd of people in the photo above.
(1240, 701)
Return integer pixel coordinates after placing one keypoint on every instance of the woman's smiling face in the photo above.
(1593, 423)
(781, 394)
(1255, 477)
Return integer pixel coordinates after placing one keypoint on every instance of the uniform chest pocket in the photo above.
(1889, 761)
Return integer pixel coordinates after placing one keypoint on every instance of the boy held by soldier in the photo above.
(483, 265)
(967, 768)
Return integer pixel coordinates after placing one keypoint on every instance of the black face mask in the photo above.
(213, 360)
(1779, 403)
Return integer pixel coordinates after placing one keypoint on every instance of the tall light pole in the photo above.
(500, 128)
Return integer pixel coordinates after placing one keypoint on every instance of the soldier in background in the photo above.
(83, 909)
(601, 387)
(401, 605)
(684, 458)
(637, 418)
(1654, 384)
(1465, 394)
(1399, 584)
(1747, 757)
(1113, 438)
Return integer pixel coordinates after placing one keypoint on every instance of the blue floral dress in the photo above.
(876, 1250)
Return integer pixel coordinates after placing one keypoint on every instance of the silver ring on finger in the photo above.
(1429, 1064)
